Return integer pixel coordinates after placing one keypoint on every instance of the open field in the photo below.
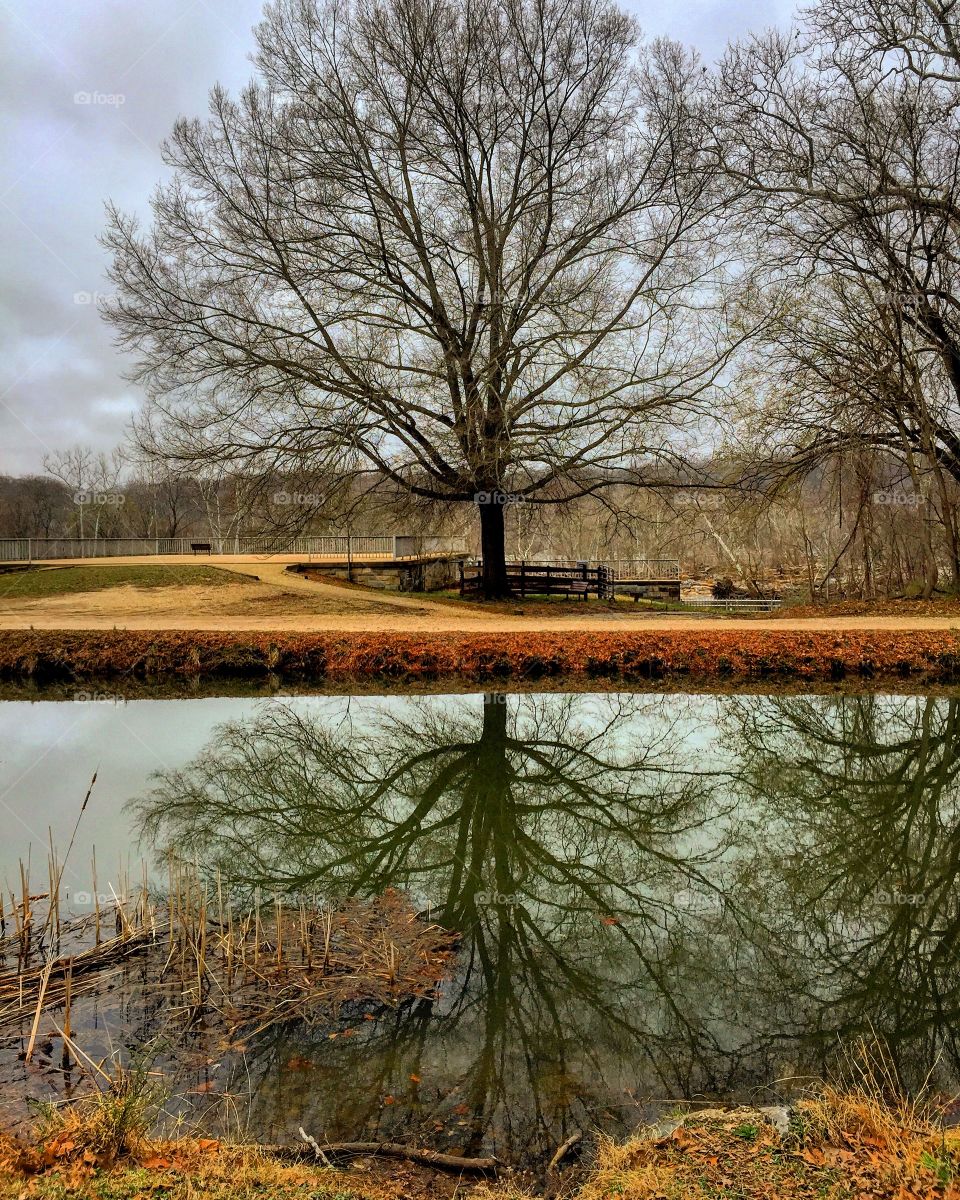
(48, 582)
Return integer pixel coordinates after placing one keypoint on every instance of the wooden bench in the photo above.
(197, 547)
(577, 587)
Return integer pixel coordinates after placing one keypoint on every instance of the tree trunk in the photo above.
(493, 549)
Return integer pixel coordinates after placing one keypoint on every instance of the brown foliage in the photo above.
(66, 656)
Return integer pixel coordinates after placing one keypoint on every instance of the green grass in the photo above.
(37, 583)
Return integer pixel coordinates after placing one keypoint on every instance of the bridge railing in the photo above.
(745, 604)
(336, 546)
(649, 570)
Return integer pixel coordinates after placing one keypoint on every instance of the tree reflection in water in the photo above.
(659, 896)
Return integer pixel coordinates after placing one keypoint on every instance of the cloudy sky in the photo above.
(89, 89)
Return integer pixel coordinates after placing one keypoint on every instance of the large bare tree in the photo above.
(472, 246)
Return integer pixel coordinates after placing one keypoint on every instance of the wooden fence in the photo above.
(542, 579)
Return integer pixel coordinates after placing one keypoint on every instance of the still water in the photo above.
(660, 897)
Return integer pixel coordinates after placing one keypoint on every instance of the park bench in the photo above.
(197, 547)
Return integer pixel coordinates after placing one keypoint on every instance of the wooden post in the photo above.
(523, 580)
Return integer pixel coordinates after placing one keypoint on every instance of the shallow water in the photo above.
(661, 897)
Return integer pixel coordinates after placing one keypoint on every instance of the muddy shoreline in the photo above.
(717, 658)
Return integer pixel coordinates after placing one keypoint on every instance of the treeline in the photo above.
(87, 495)
(853, 528)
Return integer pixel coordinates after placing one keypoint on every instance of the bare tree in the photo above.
(844, 138)
(469, 245)
(75, 469)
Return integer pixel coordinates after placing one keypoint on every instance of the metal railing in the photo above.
(353, 546)
(649, 570)
(744, 603)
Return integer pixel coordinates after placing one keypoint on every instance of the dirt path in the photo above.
(276, 575)
(295, 604)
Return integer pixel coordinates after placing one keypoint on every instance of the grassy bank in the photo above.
(40, 583)
(727, 655)
(841, 1145)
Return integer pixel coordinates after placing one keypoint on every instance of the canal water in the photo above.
(660, 898)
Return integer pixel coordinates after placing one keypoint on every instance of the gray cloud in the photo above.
(89, 91)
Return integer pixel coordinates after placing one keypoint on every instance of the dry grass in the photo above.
(252, 967)
(191, 1168)
(939, 606)
(840, 1145)
(860, 1141)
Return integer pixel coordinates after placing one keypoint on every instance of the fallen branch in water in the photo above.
(427, 1158)
(564, 1149)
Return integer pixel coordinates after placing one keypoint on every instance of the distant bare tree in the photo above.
(74, 468)
(470, 245)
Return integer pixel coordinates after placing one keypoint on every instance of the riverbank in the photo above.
(689, 654)
(836, 1144)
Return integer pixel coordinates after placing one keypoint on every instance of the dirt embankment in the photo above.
(693, 653)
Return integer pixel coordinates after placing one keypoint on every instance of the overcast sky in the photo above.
(89, 89)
